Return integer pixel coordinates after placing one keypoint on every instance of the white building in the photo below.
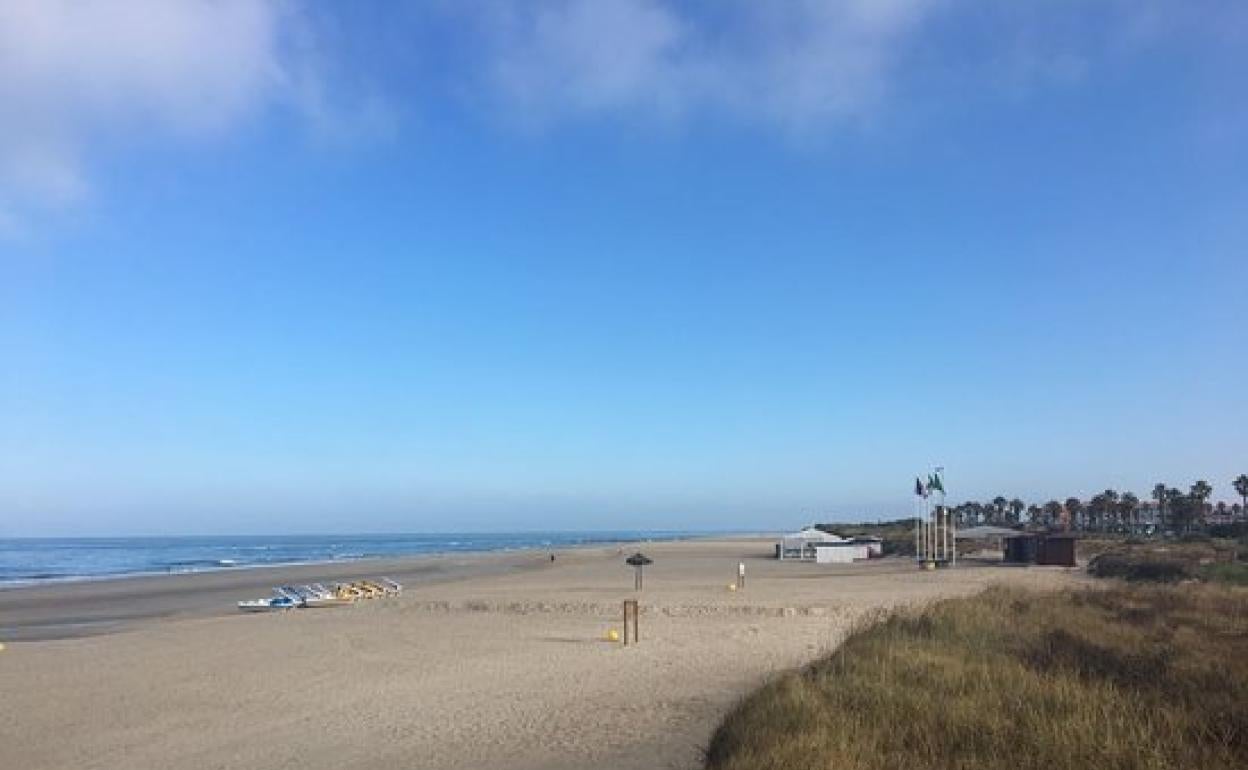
(841, 552)
(802, 545)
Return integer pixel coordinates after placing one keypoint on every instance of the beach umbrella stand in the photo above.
(637, 561)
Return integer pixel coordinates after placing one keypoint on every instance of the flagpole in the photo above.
(953, 560)
(951, 527)
(932, 531)
(918, 522)
(926, 533)
(927, 524)
(944, 513)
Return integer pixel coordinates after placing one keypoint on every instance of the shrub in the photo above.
(1235, 573)
(1135, 568)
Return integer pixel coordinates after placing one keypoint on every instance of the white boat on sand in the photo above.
(272, 604)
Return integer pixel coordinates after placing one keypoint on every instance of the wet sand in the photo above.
(68, 609)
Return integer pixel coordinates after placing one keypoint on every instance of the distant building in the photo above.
(801, 545)
(1220, 514)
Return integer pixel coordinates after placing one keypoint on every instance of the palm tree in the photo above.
(1016, 510)
(985, 513)
(1073, 508)
(976, 513)
(1092, 510)
(1241, 486)
(1183, 510)
(963, 515)
(1159, 494)
(1052, 512)
(1129, 510)
(1200, 493)
(998, 504)
(1176, 507)
(1109, 506)
(1034, 515)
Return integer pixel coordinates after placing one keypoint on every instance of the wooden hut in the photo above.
(1019, 549)
(1056, 550)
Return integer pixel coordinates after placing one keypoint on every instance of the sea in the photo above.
(31, 561)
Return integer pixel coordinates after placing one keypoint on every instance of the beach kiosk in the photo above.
(869, 547)
(801, 546)
(838, 552)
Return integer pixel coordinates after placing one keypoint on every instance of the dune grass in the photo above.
(1129, 677)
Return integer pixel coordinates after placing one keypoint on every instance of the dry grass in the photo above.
(1130, 677)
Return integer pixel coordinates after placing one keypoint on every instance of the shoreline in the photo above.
(37, 582)
(65, 609)
(71, 609)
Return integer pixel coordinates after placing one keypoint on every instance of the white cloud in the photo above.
(805, 67)
(613, 53)
(79, 75)
(797, 65)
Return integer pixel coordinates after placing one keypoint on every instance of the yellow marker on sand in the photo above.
(613, 635)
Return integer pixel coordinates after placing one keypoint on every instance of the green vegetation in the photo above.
(1170, 562)
(1170, 509)
(897, 536)
(1235, 573)
(1140, 676)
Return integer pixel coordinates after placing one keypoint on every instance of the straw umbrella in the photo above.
(637, 561)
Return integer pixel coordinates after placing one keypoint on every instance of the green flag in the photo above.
(935, 483)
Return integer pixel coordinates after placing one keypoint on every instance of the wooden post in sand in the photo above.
(630, 609)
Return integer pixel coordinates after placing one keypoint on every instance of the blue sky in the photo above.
(619, 264)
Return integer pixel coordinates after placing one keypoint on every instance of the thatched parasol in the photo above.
(637, 561)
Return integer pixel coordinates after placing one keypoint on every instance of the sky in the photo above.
(272, 267)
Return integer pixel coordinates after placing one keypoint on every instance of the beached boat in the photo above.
(272, 604)
(291, 592)
(365, 590)
(350, 591)
(318, 596)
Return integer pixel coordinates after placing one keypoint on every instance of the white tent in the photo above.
(843, 552)
(801, 545)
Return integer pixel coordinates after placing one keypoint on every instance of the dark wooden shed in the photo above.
(1056, 550)
(1019, 549)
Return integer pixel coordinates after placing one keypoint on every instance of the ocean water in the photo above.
(25, 561)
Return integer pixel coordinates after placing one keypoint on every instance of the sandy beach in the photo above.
(490, 661)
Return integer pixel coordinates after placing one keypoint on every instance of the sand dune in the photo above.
(497, 665)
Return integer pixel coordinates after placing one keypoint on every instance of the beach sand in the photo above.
(490, 661)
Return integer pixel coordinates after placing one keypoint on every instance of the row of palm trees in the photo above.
(1110, 511)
